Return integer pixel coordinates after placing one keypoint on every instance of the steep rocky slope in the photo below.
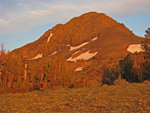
(95, 31)
(90, 43)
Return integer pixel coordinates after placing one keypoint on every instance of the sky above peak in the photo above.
(23, 21)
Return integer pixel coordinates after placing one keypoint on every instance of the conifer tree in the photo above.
(146, 43)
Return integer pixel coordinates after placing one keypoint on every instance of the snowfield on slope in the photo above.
(77, 47)
(85, 56)
(38, 56)
(79, 69)
(51, 34)
(54, 53)
(135, 48)
(81, 45)
(75, 52)
(94, 39)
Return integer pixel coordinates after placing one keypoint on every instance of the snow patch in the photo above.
(94, 39)
(85, 56)
(75, 53)
(51, 34)
(79, 69)
(54, 53)
(135, 48)
(79, 46)
(38, 56)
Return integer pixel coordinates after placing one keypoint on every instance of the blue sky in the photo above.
(23, 21)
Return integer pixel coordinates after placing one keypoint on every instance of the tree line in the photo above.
(19, 74)
(133, 68)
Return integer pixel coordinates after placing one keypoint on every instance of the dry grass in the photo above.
(130, 98)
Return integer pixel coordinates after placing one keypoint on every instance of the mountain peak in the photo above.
(93, 14)
(81, 30)
(95, 17)
(86, 45)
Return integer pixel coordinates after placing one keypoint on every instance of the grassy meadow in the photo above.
(129, 98)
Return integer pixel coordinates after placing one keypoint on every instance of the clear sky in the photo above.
(24, 21)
